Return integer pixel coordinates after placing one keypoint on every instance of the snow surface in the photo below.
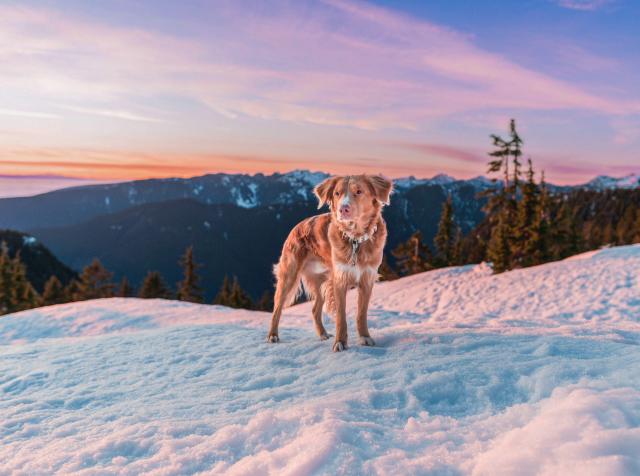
(535, 371)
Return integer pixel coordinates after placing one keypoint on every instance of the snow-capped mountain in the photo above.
(534, 371)
(78, 204)
(604, 182)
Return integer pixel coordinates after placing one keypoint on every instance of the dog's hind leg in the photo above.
(287, 273)
(313, 285)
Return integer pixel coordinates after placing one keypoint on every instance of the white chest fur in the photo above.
(351, 273)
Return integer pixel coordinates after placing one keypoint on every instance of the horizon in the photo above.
(10, 186)
(159, 90)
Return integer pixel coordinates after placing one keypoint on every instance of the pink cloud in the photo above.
(339, 63)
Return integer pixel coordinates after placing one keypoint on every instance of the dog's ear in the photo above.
(324, 190)
(382, 187)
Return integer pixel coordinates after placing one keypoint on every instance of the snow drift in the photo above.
(534, 371)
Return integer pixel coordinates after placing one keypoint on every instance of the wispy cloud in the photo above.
(126, 115)
(350, 63)
(29, 114)
(442, 151)
(584, 5)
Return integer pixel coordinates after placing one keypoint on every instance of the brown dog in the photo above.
(334, 252)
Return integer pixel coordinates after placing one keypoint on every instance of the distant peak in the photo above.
(442, 179)
(606, 182)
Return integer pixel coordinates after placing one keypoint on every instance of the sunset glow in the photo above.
(116, 91)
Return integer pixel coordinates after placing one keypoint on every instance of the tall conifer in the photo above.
(53, 292)
(95, 282)
(444, 239)
(188, 288)
(154, 287)
(413, 256)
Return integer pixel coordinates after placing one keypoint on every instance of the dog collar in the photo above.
(356, 241)
(362, 238)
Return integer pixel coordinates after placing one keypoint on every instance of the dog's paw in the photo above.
(366, 341)
(325, 336)
(339, 346)
(273, 338)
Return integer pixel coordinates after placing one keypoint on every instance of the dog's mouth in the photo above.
(345, 217)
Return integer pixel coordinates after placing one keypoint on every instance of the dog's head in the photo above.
(354, 199)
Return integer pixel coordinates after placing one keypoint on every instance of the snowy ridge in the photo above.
(604, 182)
(471, 372)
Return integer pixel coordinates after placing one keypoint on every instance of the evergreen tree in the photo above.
(6, 280)
(502, 206)
(23, 295)
(457, 255)
(188, 288)
(239, 298)
(95, 282)
(154, 287)
(71, 290)
(539, 244)
(528, 210)
(413, 256)
(515, 145)
(54, 292)
(566, 236)
(125, 289)
(265, 303)
(224, 294)
(444, 239)
(499, 251)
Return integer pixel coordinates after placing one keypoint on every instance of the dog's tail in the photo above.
(288, 281)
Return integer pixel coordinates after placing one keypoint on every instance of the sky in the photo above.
(120, 89)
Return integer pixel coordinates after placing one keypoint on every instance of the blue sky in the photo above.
(119, 89)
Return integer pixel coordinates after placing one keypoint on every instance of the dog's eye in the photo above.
(359, 192)
(336, 193)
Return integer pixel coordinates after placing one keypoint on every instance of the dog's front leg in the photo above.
(364, 295)
(340, 296)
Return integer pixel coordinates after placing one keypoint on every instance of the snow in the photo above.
(604, 182)
(535, 371)
(29, 240)
(243, 200)
(305, 176)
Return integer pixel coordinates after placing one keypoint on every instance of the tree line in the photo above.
(95, 282)
(525, 222)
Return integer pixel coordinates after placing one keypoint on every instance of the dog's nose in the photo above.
(345, 209)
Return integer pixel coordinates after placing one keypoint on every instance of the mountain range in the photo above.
(235, 222)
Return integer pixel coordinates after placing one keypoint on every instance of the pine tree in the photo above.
(444, 239)
(499, 251)
(537, 248)
(95, 282)
(188, 288)
(54, 292)
(502, 206)
(71, 290)
(23, 295)
(224, 294)
(457, 255)
(526, 220)
(413, 256)
(125, 289)
(6, 280)
(239, 298)
(265, 303)
(154, 287)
